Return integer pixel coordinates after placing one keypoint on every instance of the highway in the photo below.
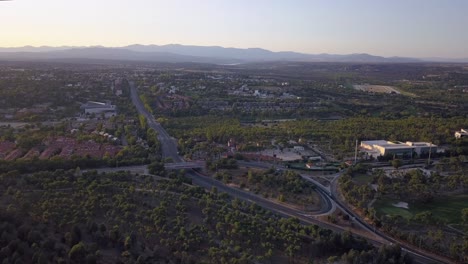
(169, 150)
(169, 146)
(332, 201)
(418, 255)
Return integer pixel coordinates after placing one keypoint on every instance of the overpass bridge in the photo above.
(185, 165)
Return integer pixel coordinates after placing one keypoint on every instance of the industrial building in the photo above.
(377, 148)
(92, 107)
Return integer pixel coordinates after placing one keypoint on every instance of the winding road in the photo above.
(331, 201)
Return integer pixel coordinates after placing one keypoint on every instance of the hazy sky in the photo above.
(417, 28)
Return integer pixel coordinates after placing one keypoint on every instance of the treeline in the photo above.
(146, 103)
(357, 195)
(342, 134)
(285, 186)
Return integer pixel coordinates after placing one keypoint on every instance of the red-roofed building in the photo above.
(15, 154)
(49, 152)
(34, 152)
(66, 147)
(89, 148)
(110, 150)
(5, 148)
(66, 152)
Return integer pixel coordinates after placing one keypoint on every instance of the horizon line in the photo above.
(227, 47)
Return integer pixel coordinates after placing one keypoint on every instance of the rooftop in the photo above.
(374, 142)
(396, 146)
(93, 104)
(420, 144)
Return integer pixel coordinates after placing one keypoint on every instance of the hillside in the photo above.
(184, 53)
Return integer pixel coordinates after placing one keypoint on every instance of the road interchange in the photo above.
(328, 195)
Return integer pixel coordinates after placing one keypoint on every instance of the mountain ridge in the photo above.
(192, 53)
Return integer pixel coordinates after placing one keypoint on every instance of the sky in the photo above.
(411, 28)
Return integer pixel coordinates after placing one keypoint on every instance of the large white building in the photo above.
(377, 148)
(92, 107)
(462, 133)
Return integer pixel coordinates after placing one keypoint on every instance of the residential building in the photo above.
(5, 148)
(15, 154)
(462, 133)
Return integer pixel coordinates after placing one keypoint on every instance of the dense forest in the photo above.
(195, 132)
(75, 217)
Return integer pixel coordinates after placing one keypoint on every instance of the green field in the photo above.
(362, 179)
(448, 209)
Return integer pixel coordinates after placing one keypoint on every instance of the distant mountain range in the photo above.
(197, 54)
